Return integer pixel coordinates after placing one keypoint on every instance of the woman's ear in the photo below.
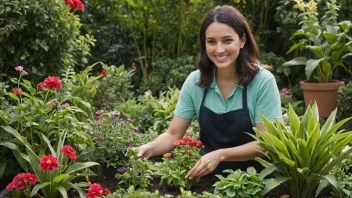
(243, 40)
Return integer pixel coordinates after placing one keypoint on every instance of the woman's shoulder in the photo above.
(263, 75)
(193, 78)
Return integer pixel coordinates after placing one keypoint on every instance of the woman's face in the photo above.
(223, 44)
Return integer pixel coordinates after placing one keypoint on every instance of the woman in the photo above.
(227, 94)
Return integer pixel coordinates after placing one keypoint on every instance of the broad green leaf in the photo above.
(273, 182)
(79, 166)
(38, 187)
(58, 179)
(337, 160)
(62, 191)
(296, 61)
(316, 50)
(22, 160)
(311, 65)
(34, 161)
(13, 96)
(267, 171)
(294, 120)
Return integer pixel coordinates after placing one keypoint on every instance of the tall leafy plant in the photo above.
(304, 151)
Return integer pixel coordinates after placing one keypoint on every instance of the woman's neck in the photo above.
(226, 74)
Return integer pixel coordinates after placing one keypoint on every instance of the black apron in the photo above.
(226, 130)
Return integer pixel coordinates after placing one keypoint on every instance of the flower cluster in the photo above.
(20, 180)
(284, 93)
(20, 69)
(69, 152)
(95, 190)
(188, 141)
(50, 82)
(75, 4)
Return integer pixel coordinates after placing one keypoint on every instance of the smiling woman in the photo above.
(227, 94)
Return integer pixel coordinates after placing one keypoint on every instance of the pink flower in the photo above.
(52, 104)
(167, 155)
(24, 73)
(19, 68)
(48, 163)
(66, 105)
(114, 113)
(17, 91)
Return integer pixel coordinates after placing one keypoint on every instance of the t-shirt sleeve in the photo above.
(185, 106)
(268, 102)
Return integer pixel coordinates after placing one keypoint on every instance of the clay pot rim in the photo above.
(334, 85)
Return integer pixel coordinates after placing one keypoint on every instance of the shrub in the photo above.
(345, 105)
(43, 35)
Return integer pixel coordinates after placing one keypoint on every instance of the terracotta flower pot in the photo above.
(325, 94)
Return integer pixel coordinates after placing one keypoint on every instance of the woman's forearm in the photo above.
(241, 153)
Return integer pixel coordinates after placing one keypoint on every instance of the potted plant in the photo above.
(328, 43)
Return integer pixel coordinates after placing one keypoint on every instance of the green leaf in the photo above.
(79, 166)
(317, 51)
(58, 179)
(38, 187)
(311, 65)
(272, 183)
(3, 164)
(267, 171)
(296, 61)
(49, 145)
(13, 96)
(62, 191)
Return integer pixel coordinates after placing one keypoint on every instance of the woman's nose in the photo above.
(219, 48)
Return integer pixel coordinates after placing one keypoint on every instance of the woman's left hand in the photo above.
(205, 165)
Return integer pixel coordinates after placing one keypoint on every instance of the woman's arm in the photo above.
(210, 161)
(164, 142)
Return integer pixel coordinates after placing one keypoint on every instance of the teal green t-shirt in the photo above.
(262, 98)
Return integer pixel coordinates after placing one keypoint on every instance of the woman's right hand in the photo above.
(145, 151)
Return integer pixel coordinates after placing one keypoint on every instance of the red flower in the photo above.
(48, 163)
(200, 144)
(94, 191)
(19, 181)
(69, 152)
(41, 85)
(106, 191)
(167, 155)
(190, 152)
(30, 178)
(99, 112)
(103, 72)
(189, 8)
(52, 82)
(17, 91)
(74, 4)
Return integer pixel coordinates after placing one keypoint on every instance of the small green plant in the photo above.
(138, 172)
(175, 165)
(113, 135)
(302, 154)
(240, 184)
(131, 192)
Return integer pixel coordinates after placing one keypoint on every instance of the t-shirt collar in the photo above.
(213, 84)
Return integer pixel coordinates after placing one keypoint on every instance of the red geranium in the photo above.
(19, 181)
(52, 82)
(103, 72)
(167, 155)
(48, 163)
(17, 91)
(94, 191)
(106, 191)
(74, 4)
(41, 85)
(69, 152)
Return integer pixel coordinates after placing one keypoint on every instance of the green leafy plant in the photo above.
(240, 184)
(175, 165)
(45, 109)
(131, 192)
(113, 135)
(345, 106)
(32, 39)
(138, 172)
(302, 154)
(56, 171)
(328, 41)
(114, 87)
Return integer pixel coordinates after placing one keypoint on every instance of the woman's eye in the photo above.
(228, 40)
(211, 42)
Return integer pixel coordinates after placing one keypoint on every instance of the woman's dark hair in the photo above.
(248, 58)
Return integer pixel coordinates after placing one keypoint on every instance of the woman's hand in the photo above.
(145, 151)
(205, 165)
